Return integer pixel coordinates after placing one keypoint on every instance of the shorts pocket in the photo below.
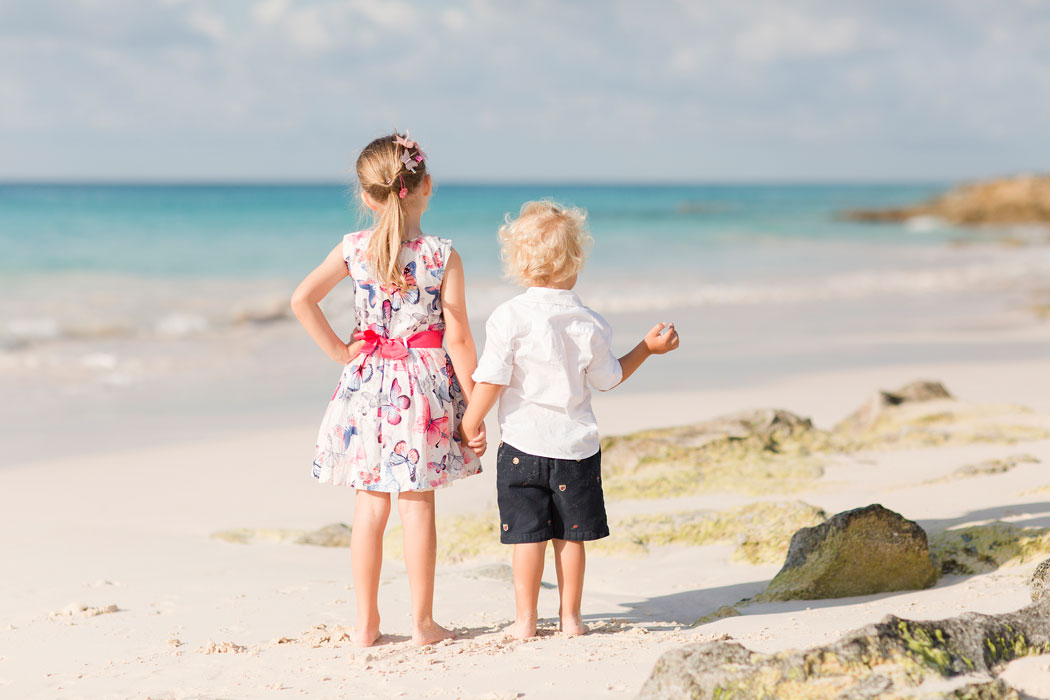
(516, 468)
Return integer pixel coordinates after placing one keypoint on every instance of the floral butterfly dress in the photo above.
(392, 424)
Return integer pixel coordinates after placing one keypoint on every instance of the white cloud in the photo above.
(269, 11)
(207, 23)
(781, 32)
(754, 83)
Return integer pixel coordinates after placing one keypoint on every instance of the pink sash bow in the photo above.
(397, 348)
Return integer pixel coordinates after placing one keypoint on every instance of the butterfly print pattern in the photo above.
(391, 424)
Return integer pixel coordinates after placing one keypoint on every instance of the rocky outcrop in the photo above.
(951, 658)
(868, 415)
(858, 552)
(993, 466)
(334, 535)
(924, 414)
(1037, 585)
(980, 548)
(761, 450)
(775, 451)
(1022, 199)
(720, 613)
(761, 531)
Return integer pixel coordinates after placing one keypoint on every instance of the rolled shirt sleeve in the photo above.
(497, 360)
(604, 371)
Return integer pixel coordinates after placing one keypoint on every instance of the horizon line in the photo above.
(326, 182)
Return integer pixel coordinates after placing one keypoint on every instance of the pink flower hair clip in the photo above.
(407, 159)
(403, 192)
(409, 162)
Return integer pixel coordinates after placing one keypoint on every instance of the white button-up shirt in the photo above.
(545, 346)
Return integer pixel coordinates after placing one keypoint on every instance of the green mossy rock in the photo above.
(760, 451)
(459, 538)
(924, 414)
(865, 417)
(894, 658)
(858, 552)
(980, 548)
(994, 466)
(775, 451)
(722, 612)
(334, 535)
(761, 531)
(1038, 583)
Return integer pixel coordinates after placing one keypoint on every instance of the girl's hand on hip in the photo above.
(352, 349)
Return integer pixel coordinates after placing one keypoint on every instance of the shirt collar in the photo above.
(549, 295)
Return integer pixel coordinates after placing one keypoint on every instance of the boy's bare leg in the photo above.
(371, 510)
(570, 560)
(420, 537)
(528, 574)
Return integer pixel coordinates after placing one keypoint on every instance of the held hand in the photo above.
(479, 442)
(658, 341)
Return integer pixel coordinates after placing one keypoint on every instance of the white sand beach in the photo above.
(114, 588)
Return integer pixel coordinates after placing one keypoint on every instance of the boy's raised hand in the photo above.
(658, 342)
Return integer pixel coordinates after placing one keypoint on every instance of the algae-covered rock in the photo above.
(922, 414)
(858, 552)
(247, 535)
(894, 658)
(979, 548)
(776, 451)
(334, 535)
(765, 450)
(459, 537)
(761, 531)
(722, 612)
(1038, 583)
(869, 413)
(993, 466)
(492, 572)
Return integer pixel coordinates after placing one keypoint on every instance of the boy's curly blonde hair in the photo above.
(545, 244)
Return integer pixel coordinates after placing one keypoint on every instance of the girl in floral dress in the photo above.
(392, 423)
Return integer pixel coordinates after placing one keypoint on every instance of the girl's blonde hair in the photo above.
(382, 174)
(545, 244)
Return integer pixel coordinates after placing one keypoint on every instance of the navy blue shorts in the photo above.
(541, 498)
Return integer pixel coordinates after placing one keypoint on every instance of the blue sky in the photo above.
(709, 90)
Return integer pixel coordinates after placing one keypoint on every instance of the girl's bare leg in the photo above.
(528, 574)
(371, 510)
(417, 521)
(570, 560)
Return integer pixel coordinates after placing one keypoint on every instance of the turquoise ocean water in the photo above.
(246, 231)
(158, 312)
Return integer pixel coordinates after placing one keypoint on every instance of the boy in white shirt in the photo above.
(542, 348)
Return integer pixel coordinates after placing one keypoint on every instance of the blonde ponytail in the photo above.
(382, 173)
(384, 247)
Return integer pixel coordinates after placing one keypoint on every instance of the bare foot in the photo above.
(572, 626)
(430, 633)
(364, 637)
(522, 628)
